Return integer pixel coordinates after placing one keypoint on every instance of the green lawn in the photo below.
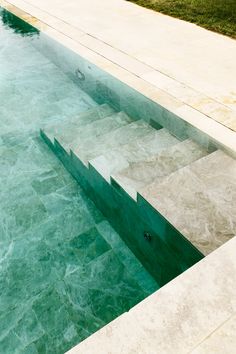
(216, 15)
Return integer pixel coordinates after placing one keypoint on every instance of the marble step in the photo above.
(86, 136)
(136, 151)
(100, 145)
(76, 136)
(57, 128)
(156, 167)
(199, 200)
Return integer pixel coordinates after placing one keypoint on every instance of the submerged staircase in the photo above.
(176, 186)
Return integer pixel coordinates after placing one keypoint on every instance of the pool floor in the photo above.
(64, 272)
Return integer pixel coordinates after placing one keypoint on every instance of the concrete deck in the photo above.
(192, 64)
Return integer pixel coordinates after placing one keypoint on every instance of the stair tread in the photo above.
(92, 148)
(199, 200)
(138, 175)
(77, 136)
(53, 129)
(138, 150)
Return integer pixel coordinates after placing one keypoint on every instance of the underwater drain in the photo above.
(147, 236)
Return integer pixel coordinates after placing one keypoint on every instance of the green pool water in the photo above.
(64, 272)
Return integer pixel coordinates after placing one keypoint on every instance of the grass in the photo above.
(215, 15)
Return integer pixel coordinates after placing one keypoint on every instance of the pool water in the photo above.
(64, 272)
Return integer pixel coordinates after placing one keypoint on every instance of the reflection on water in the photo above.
(19, 26)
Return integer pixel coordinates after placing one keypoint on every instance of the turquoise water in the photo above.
(65, 272)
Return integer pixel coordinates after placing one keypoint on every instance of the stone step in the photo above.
(138, 150)
(84, 137)
(57, 128)
(157, 167)
(199, 200)
(78, 136)
(93, 148)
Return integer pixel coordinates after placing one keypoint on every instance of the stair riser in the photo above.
(166, 231)
(162, 227)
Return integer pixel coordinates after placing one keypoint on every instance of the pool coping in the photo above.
(152, 84)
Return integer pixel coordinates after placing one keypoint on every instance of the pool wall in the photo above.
(105, 88)
(65, 46)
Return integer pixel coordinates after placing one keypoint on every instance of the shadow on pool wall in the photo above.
(167, 254)
(18, 25)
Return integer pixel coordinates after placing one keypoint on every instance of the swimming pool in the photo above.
(76, 252)
(65, 272)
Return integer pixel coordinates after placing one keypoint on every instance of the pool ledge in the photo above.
(208, 115)
(194, 313)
